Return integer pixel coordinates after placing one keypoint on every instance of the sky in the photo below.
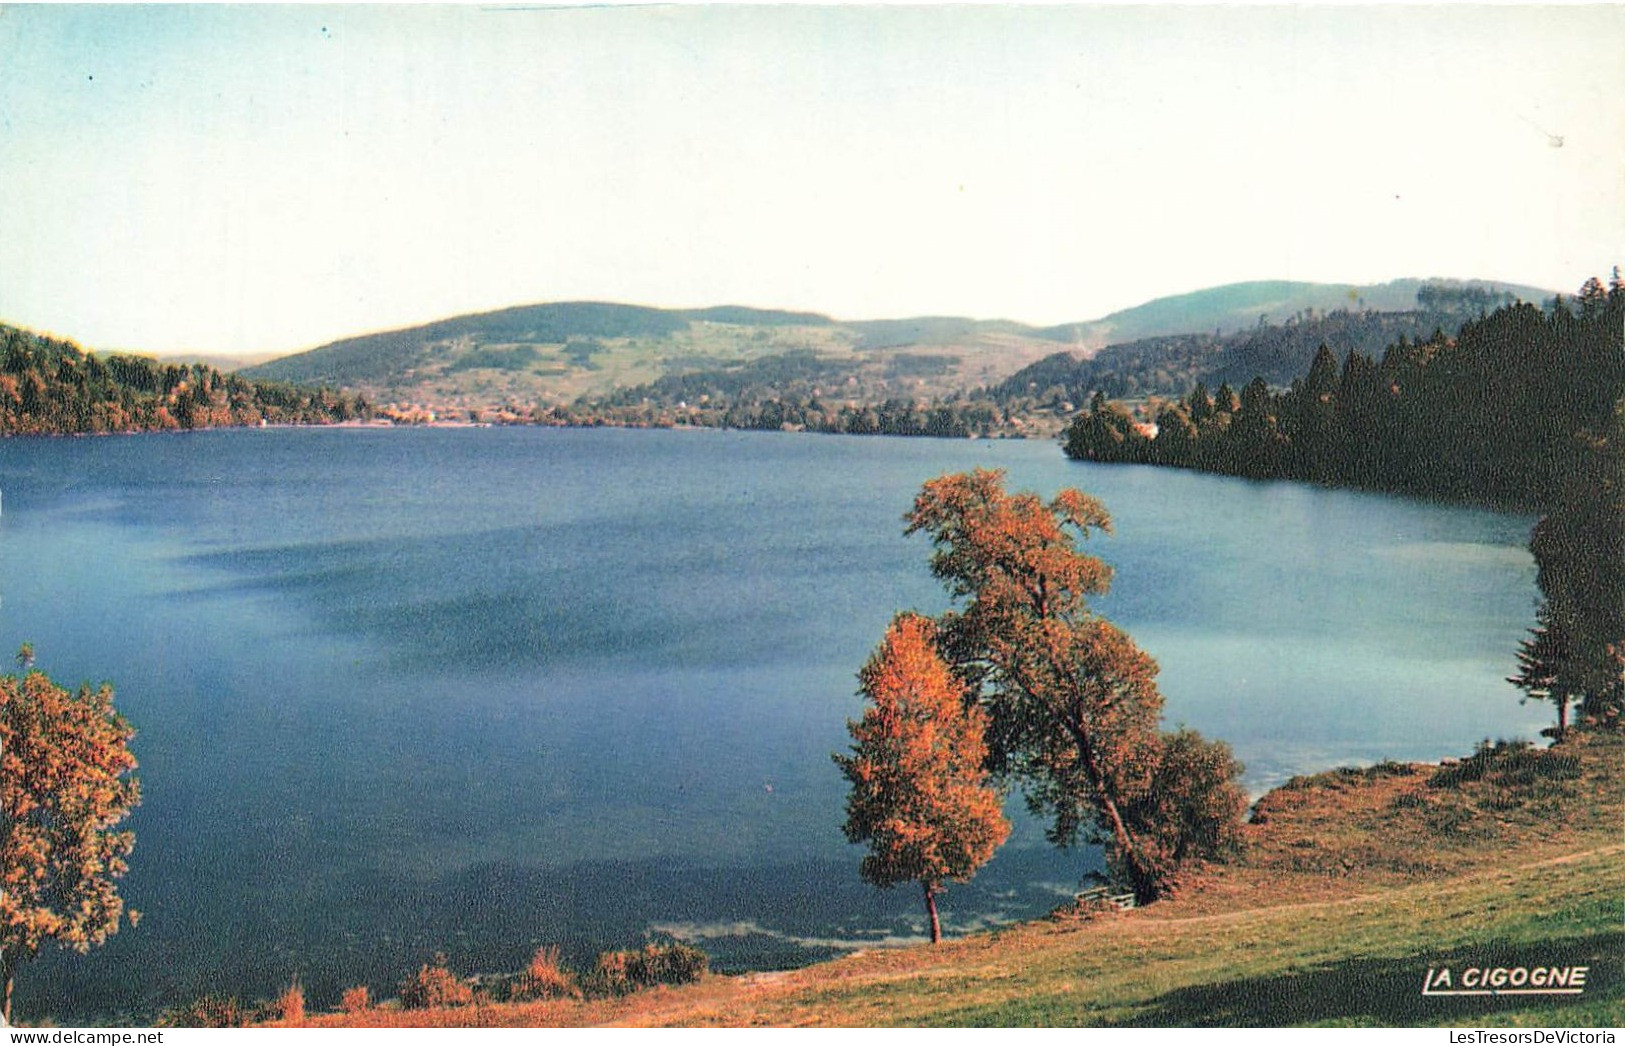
(254, 179)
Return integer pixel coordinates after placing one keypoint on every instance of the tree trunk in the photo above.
(1140, 878)
(1562, 716)
(7, 977)
(931, 910)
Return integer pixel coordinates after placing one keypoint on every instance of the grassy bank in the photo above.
(1354, 884)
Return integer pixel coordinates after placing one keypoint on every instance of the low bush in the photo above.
(672, 963)
(356, 1000)
(1510, 764)
(434, 986)
(290, 1005)
(544, 978)
(210, 1011)
(658, 962)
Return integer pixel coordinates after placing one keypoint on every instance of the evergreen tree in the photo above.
(1579, 550)
(1547, 668)
(1200, 405)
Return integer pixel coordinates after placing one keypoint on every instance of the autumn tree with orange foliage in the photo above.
(65, 784)
(920, 796)
(1073, 707)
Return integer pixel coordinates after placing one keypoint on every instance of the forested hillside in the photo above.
(1277, 351)
(53, 386)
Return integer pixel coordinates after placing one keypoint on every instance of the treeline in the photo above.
(790, 391)
(950, 419)
(893, 417)
(1523, 407)
(48, 386)
(1496, 413)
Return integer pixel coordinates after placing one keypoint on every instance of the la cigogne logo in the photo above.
(1505, 980)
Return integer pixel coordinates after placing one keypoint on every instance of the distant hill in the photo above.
(373, 359)
(556, 354)
(1239, 306)
(218, 361)
(1277, 347)
(741, 314)
(223, 362)
(932, 330)
(1171, 365)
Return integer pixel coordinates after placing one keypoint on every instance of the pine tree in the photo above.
(1546, 666)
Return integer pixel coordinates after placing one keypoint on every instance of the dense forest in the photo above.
(53, 386)
(1522, 407)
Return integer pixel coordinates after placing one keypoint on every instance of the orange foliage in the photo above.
(65, 782)
(290, 1005)
(434, 986)
(1074, 709)
(920, 797)
(544, 978)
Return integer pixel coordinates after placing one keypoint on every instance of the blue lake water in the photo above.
(470, 691)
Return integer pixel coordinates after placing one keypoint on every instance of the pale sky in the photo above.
(257, 179)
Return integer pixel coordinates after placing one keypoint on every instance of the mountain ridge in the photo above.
(558, 352)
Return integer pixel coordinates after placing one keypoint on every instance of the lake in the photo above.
(469, 691)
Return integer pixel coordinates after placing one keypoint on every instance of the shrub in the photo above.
(1410, 801)
(435, 986)
(611, 974)
(1511, 764)
(290, 1005)
(356, 1000)
(669, 962)
(544, 978)
(210, 1011)
(1450, 820)
(1084, 909)
(672, 963)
